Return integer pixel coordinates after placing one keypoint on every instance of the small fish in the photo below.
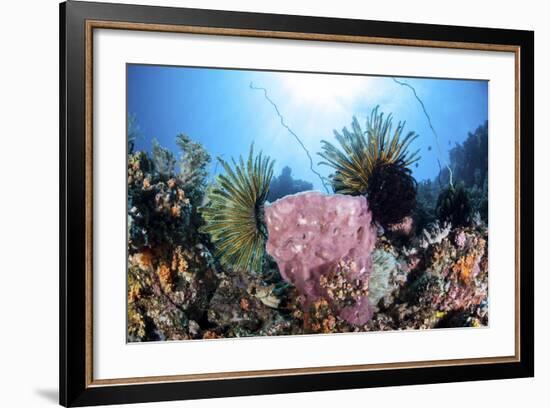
(416, 165)
(429, 148)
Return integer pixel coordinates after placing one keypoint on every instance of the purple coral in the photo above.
(316, 237)
(460, 239)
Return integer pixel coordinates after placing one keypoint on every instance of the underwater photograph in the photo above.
(265, 203)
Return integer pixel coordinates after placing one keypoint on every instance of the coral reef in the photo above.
(446, 283)
(322, 245)
(234, 213)
(158, 210)
(284, 185)
(469, 164)
(470, 159)
(171, 274)
(217, 260)
(434, 235)
(246, 305)
(167, 300)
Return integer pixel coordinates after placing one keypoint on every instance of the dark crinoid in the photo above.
(454, 205)
(375, 163)
(391, 192)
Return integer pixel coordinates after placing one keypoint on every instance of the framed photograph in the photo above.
(256, 203)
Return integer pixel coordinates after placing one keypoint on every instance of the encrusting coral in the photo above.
(171, 274)
(158, 210)
(448, 280)
(245, 305)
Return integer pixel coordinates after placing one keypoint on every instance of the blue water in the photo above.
(218, 108)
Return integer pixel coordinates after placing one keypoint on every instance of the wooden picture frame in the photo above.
(78, 20)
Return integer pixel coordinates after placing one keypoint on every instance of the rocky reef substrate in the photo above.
(328, 269)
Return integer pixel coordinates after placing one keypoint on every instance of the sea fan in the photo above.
(193, 161)
(163, 160)
(362, 152)
(234, 212)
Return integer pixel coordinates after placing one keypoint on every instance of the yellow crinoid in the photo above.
(234, 212)
(361, 152)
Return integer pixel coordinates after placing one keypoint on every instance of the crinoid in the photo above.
(234, 211)
(454, 205)
(391, 193)
(375, 163)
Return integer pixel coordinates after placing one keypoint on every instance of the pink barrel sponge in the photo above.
(315, 237)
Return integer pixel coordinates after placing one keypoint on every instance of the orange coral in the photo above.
(136, 324)
(321, 318)
(468, 265)
(340, 289)
(464, 267)
(175, 211)
(328, 324)
(209, 334)
(179, 263)
(134, 292)
(144, 259)
(245, 305)
(165, 275)
(134, 161)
